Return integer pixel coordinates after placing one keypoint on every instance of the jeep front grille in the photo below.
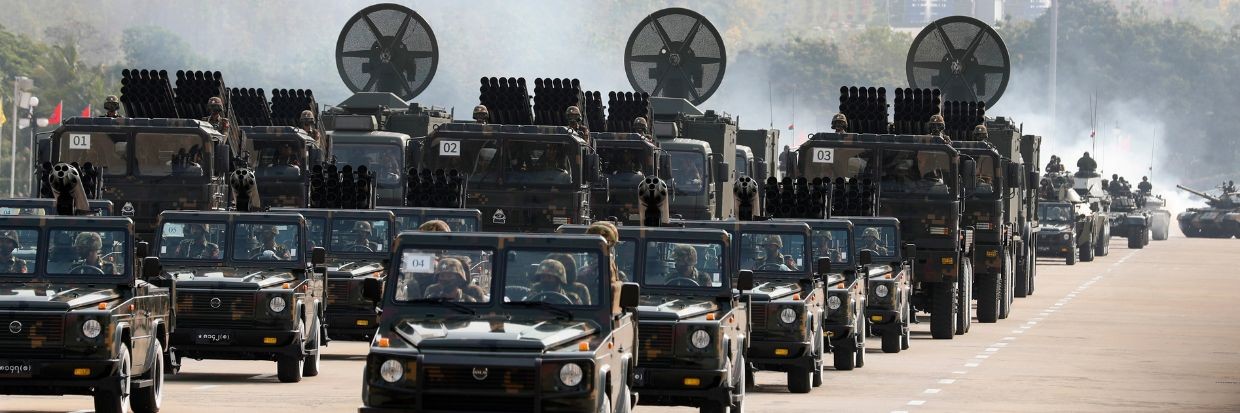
(36, 333)
(656, 343)
(507, 379)
(338, 291)
(757, 316)
(478, 403)
(195, 308)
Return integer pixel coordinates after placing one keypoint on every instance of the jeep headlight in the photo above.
(1066, 236)
(391, 371)
(91, 328)
(881, 291)
(788, 315)
(277, 304)
(571, 374)
(701, 338)
(833, 302)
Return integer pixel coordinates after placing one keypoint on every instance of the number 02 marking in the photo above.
(79, 141)
(824, 155)
(449, 148)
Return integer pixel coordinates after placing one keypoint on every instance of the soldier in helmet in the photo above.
(1087, 165)
(640, 126)
(937, 125)
(685, 259)
(196, 245)
(573, 277)
(551, 279)
(1055, 165)
(870, 240)
(839, 123)
(1116, 186)
(112, 107)
(307, 123)
(434, 225)
(9, 264)
(1145, 186)
(772, 259)
(363, 243)
(215, 106)
(452, 282)
(268, 248)
(573, 116)
(980, 133)
(89, 246)
(481, 115)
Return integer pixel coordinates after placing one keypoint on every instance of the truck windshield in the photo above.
(456, 275)
(834, 163)
(192, 241)
(105, 150)
(742, 165)
(552, 276)
(169, 154)
(986, 177)
(87, 252)
(384, 160)
(457, 224)
(772, 252)
(18, 247)
(925, 172)
(279, 158)
(682, 264)
(360, 235)
(514, 162)
(1055, 212)
(830, 243)
(266, 242)
(688, 172)
(627, 161)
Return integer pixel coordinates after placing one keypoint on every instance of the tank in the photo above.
(1219, 219)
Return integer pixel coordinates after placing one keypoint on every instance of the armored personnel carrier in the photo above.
(1070, 226)
(1129, 221)
(1220, 218)
(1160, 217)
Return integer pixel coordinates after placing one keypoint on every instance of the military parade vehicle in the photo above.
(47, 206)
(1021, 155)
(764, 145)
(1091, 189)
(844, 323)
(1160, 217)
(693, 323)
(1219, 219)
(986, 210)
(87, 311)
(1128, 219)
(1071, 226)
(249, 288)
(281, 142)
(626, 159)
(889, 270)
(356, 243)
(488, 322)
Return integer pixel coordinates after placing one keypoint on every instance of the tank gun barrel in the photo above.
(1200, 194)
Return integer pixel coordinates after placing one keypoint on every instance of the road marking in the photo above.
(981, 356)
(960, 372)
(207, 387)
(931, 391)
(82, 411)
(1000, 344)
(1018, 331)
(1009, 338)
(971, 364)
(947, 381)
(992, 349)
(916, 402)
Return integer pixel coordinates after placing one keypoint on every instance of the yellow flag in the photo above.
(2, 118)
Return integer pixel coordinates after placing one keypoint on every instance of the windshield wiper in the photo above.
(444, 300)
(560, 311)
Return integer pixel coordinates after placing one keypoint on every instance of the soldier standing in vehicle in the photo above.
(217, 120)
(839, 123)
(88, 246)
(686, 259)
(552, 280)
(611, 235)
(196, 245)
(307, 124)
(870, 241)
(1087, 165)
(937, 125)
(8, 263)
(481, 115)
(266, 235)
(1145, 186)
(573, 116)
(112, 107)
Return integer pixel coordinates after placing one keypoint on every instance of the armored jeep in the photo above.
(787, 301)
(47, 206)
(844, 323)
(488, 322)
(888, 269)
(458, 219)
(87, 312)
(247, 290)
(356, 243)
(693, 323)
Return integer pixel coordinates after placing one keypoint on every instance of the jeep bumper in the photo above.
(53, 377)
(675, 387)
(236, 344)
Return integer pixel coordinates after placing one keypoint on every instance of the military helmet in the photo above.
(88, 241)
(640, 125)
(773, 240)
(686, 251)
(870, 233)
(839, 121)
(111, 99)
(11, 236)
(553, 268)
(267, 229)
(607, 230)
(480, 113)
(434, 225)
(307, 115)
(1086, 154)
(572, 114)
(215, 100)
(980, 131)
(362, 226)
(451, 266)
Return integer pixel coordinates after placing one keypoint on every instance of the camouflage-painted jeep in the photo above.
(86, 312)
(247, 288)
(693, 322)
(844, 322)
(488, 322)
(357, 242)
(458, 219)
(889, 268)
(787, 301)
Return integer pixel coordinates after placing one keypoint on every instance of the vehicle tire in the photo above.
(289, 368)
(818, 353)
(943, 310)
(738, 395)
(1072, 252)
(860, 346)
(1087, 252)
(904, 324)
(1161, 231)
(117, 402)
(964, 314)
(310, 367)
(1020, 288)
(844, 355)
(1145, 238)
(150, 398)
(989, 294)
(892, 342)
(799, 380)
(1102, 249)
(1008, 286)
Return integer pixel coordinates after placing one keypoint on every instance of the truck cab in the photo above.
(281, 157)
(626, 159)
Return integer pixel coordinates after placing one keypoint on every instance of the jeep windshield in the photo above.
(18, 249)
(105, 150)
(1055, 213)
(683, 264)
(192, 241)
(457, 224)
(353, 235)
(833, 244)
(266, 242)
(772, 252)
(688, 172)
(443, 275)
(169, 154)
(279, 158)
(917, 172)
(73, 252)
(881, 239)
(383, 159)
(508, 162)
(558, 277)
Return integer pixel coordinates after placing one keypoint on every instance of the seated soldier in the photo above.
(268, 248)
(89, 246)
(685, 260)
(772, 258)
(870, 241)
(8, 263)
(453, 283)
(363, 243)
(570, 272)
(196, 245)
(551, 281)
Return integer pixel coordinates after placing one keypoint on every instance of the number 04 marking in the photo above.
(824, 155)
(449, 148)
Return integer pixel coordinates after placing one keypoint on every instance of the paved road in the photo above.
(1139, 330)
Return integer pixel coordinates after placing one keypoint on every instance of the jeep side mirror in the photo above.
(824, 266)
(630, 295)
(865, 257)
(968, 174)
(151, 268)
(910, 251)
(372, 289)
(141, 250)
(318, 256)
(744, 280)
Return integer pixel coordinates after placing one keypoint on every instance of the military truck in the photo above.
(458, 219)
(1219, 219)
(889, 273)
(1021, 155)
(787, 303)
(356, 243)
(625, 159)
(486, 322)
(702, 148)
(988, 209)
(764, 145)
(87, 311)
(250, 288)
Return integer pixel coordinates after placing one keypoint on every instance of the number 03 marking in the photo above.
(824, 155)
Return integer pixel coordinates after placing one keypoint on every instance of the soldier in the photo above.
(453, 283)
(196, 245)
(685, 258)
(1054, 165)
(363, 243)
(88, 245)
(823, 247)
(550, 280)
(772, 258)
(307, 123)
(640, 126)
(611, 235)
(268, 248)
(573, 116)
(839, 123)
(481, 115)
(570, 268)
(937, 125)
(1087, 165)
(980, 133)
(1115, 186)
(434, 225)
(8, 263)
(870, 241)
(1145, 186)
(217, 120)
(112, 106)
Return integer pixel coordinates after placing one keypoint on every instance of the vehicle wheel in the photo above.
(289, 368)
(1087, 252)
(988, 298)
(310, 367)
(1145, 238)
(860, 346)
(892, 342)
(904, 324)
(117, 402)
(817, 372)
(1020, 288)
(1103, 248)
(1071, 259)
(738, 390)
(799, 380)
(964, 314)
(943, 309)
(149, 399)
(1008, 286)
(712, 407)
(1134, 241)
(844, 356)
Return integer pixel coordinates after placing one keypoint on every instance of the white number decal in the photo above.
(417, 263)
(824, 155)
(449, 148)
(79, 141)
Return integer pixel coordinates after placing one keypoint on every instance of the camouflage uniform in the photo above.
(553, 268)
(434, 225)
(85, 244)
(573, 116)
(459, 289)
(113, 106)
(1087, 164)
(363, 231)
(839, 123)
(775, 258)
(8, 263)
(307, 124)
(611, 234)
(197, 248)
(570, 268)
(869, 241)
(937, 125)
(217, 119)
(275, 247)
(686, 266)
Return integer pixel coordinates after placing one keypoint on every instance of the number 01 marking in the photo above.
(824, 155)
(449, 148)
(79, 141)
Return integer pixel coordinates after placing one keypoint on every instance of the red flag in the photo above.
(1091, 133)
(86, 112)
(791, 126)
(55, 118)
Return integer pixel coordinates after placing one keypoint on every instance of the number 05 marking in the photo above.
(824, 155)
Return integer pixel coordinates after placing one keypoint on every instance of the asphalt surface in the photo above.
(1138, 330)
